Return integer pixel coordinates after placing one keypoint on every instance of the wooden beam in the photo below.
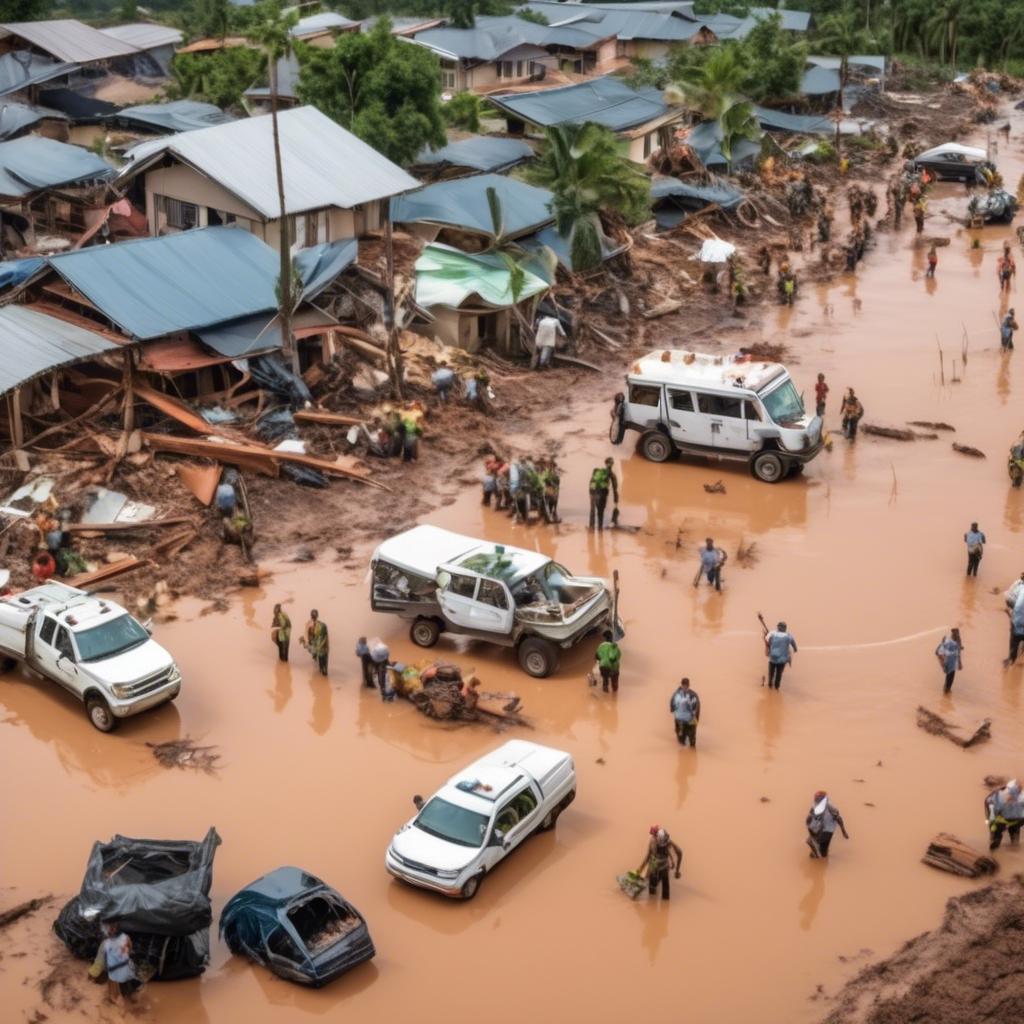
(332, 419)
(106, 572)
(14, 418)
(145, 524)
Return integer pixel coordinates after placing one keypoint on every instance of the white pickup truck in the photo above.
(480, 815)
(445, 582)
(90, 646)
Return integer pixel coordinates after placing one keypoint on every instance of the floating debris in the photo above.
(185, 753)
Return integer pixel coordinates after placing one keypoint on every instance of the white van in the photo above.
(725, 407)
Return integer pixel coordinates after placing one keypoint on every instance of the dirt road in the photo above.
(862, 556)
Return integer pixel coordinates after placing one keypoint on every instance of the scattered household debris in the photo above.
(896, 433)
(439, 690)
(966, 449)
(931, 425)
(949, 853)
(186, 753)
(938, 726)
(746, 554)
(716, 488)
(994, 781)
(631, 883)
(8, 917)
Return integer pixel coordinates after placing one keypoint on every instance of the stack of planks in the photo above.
(949, 853)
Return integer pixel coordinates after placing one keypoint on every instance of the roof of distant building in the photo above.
(32, 164)
(68, 40)
(145, 36)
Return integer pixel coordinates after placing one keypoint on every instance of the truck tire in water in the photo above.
(472, 887)
(424, 632)
(538, 657)
(100, 714)
(655, 446)
(768, 467)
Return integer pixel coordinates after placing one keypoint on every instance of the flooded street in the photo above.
(862, 556)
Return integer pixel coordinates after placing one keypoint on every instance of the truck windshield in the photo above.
(456, 824)
(113, 637)
(784, 404)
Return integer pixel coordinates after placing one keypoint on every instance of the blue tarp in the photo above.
(170, 118)
(32, 163)
(696, 196)
(819, 82)
(705, 140)
(462, 203)
(802, 124)
(319, 265)
(481, 153)
(16, 117)
(551, 239)
(13, 272)
(608, 101)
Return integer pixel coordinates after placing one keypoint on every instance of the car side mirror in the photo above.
(148, 626)
(497, 838)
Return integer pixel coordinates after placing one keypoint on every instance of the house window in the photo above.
(519, 69)
(506, 69)
(448, 74)
(648, 144)
(180, 215)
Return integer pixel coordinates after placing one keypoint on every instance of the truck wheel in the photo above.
(768, 467)
(424, 632)
(538, 657)
(100, 714)
(472, 887)
(655, 446)
(553, 815)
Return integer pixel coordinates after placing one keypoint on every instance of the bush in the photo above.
(463, 111)
(823, 153)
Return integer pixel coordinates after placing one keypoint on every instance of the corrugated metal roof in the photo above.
(819, 81)
(462, 203)
(32, 343)
(608, 101)
(324, 165)
(22, 68)
(491, 37)
(68, 40)
(317, 23)
(145, 36)
(16, 117)
(481, 153)
(859, 60)
(176, 116)
(32, 163)
(287, 81)
(186, 281)
(447, 277)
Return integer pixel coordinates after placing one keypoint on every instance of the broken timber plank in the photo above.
(573, 361)
(87, 579)
(143, 524)
(333, 419)
(183, 414)
(258, 460)
(662, 309)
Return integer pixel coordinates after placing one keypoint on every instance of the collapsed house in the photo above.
(226, 174)
(479, 154)
(196, 312)
(639, 117)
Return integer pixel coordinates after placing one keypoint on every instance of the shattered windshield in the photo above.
(784, 404)
(455, 824)
(113, 637)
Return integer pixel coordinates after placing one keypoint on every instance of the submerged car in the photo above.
(480, 815)
(996, 206)
(297, 926)
(956, 162)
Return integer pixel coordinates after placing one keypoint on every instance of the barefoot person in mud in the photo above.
(281, 632)
(1006, 268)
(316, 641)
(949, 653)
(975, 541)
(933, 261)
(1006, 329)
(602, 480)
(609, 659)
(822, 821)
(116, 951)
(780, 646)
(853, 412)
(661, 857)
(820, 395)
(685, 707)
(1004, 810)
(711, 561)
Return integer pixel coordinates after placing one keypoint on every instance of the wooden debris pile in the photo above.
(966, 449)
(185, 753)
(948, 853)
(439, 691)
(936, 725)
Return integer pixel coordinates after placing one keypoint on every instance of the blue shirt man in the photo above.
(975, 541)
(779, 642)
(685, 708)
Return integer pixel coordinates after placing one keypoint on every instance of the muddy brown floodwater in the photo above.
(862, 556)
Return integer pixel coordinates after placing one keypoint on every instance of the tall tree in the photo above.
(271, 29)
(587, 175)
(943, 28)
(842, 36)
(378, 87)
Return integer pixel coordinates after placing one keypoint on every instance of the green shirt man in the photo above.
(281, 632)
(609, 656)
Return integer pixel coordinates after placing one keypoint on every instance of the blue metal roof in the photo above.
(481, 153)
(22, 68)
(33, 163)
(819, 81)
(696, 196)
(16, 117)
(803, 124)
(462, 203)
(608, 101)
(158, 286)
(176, 116)
(705, 140)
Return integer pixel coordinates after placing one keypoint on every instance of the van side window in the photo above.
(47, 629)
(644, 394)
(462, 586)
(753, 413)
(63, 644)
(493, 594)
(720, 405)
(680, 401)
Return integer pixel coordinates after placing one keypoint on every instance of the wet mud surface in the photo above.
(862, 556)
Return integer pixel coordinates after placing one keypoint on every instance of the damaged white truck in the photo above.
(90, 646)
(447, 583)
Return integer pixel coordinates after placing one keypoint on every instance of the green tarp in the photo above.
(447, 277)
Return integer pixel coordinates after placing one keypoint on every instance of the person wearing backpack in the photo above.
(822, 821)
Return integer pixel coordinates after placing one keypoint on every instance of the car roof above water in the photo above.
(701, 369)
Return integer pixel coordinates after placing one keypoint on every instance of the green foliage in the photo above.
(535, 16)
(737, 8)
(774, 61)
(24, 10)
(587, 175)
(128, 11)
(823, 153)
(219, 77)
(207, 19)
(463, 111)
(379, 87)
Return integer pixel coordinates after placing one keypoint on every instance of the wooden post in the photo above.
(394, 351)
(14, 416)
(129, 394)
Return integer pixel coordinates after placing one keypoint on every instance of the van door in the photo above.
(685, 424)
(725, 414)
(474, 602)
(56, 657)
(517, 818)
(643, 405)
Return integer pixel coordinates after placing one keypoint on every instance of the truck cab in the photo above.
(722, 407)
(91, 647)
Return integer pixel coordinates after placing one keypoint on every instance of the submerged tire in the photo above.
(100, 715)
(655, 446)
(472, 887)
(424, 632)
(768, 467)
(538, 657)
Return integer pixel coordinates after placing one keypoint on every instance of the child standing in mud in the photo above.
(116, 951)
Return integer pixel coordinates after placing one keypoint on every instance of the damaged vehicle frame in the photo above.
(278, 920)
(447, 583)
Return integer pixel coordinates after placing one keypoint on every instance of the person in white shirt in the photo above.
(549, 329)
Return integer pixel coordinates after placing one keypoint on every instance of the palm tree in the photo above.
(841, 35)
(713, 90)
(271, 29)
(943, 29)
(582, 166)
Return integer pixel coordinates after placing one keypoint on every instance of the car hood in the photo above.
(145, 660)
(413, 844)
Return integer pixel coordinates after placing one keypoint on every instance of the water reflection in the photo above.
(814, 871)
(1012, 509)
(1003, 378)
(653, 914)
(686, 769)
(769, 719)
(282, 692)
(322, 713)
